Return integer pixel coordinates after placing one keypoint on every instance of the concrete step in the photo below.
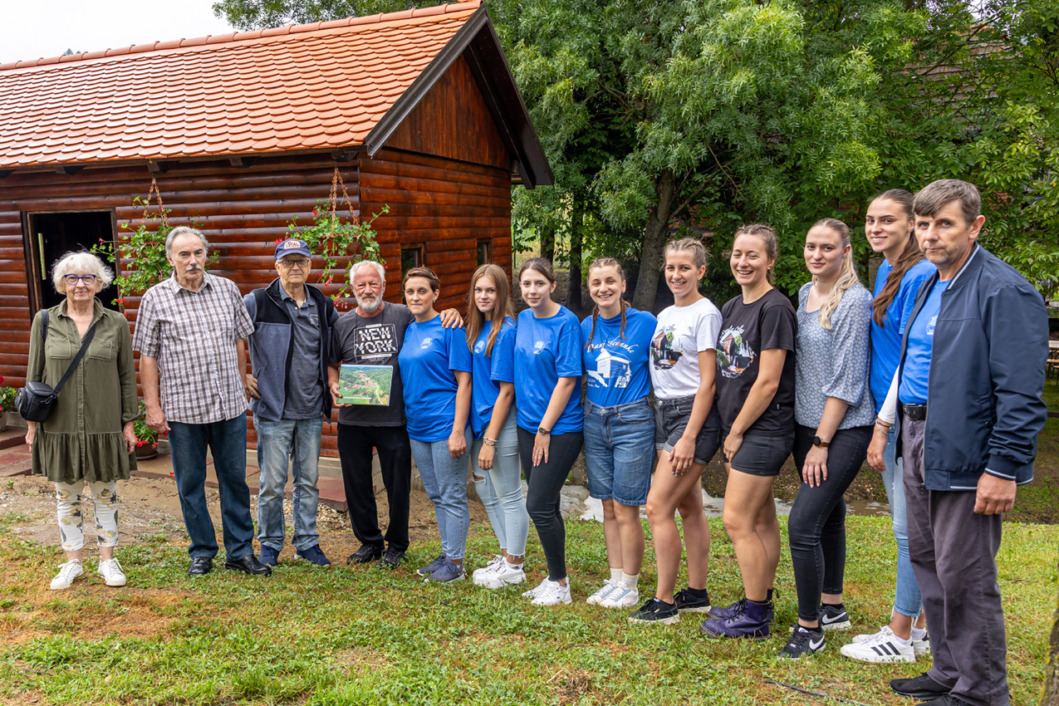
(11, 437)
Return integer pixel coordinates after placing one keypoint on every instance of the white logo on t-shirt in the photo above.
(538, 347)
(426, 342)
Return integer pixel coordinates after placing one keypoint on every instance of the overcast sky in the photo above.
(31, 29)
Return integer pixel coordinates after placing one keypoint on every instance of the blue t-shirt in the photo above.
(916, 369)
(546, 350)
(428, 358)
(616, 363)
(886, 339)
(490, 371)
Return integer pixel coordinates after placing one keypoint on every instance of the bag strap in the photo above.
(44, 324)
(77, 358)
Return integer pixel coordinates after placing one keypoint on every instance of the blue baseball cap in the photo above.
(292, 246)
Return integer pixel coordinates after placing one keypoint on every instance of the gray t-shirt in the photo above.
(834, 363)
(374, 340)
(305, 389)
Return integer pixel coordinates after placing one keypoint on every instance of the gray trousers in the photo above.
(953, 553)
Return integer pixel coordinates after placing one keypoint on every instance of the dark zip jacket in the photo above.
(272, 346)
(984, 405)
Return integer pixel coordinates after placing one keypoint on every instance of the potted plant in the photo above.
(7, 404)
(146, 437)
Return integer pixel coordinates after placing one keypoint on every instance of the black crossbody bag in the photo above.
(35, 401)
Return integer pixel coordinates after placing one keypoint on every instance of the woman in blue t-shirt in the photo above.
(619, 425)
(550, 422)
(436, 375)
(890, 228)
(497, 477)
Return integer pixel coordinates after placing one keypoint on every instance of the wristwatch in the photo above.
(543, 432)
(817, 441)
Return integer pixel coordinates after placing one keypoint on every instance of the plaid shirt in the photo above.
(193, 335)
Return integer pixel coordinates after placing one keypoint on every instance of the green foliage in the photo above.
(7, 398)
(332, 237)
(145, 435)
(144, 262)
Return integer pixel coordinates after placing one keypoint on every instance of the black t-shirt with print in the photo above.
(746, 330)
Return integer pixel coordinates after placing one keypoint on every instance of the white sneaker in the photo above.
(486, 571)
(553, 594)
(884, 646)
(871, 636)
(621, 597)
(506, 574)
(111, 572)
(536, 591)
(921, 647)
(597, 597)
(68, 573)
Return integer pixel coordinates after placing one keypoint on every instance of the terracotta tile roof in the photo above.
(296, 87)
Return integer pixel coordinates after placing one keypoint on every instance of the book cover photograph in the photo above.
(365, 384)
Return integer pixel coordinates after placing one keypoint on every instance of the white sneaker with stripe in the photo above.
(881, 647)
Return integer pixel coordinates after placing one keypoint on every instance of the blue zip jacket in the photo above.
(272, 346)
(984, 404)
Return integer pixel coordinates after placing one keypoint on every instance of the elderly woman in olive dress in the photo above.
(88, 438)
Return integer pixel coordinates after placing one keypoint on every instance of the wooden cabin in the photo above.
(418, 110)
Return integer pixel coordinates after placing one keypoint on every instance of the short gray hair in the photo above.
(183, 230)
(81, 262)
(938, 194)
(368, 263)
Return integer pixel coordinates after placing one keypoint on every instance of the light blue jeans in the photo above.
(294, 444)
(445, 480)
(907, 599)
(500, 489)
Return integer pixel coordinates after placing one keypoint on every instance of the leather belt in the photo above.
(914, 412)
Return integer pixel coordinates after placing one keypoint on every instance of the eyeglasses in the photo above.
(287, 264)
(87, 279)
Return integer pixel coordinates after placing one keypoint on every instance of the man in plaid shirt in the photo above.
(191, 334)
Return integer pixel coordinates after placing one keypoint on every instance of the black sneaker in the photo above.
(367, 553)
(656, 611)
(391, 559)
(922, 687)
(803, 643)
(690, 600)
(834, 617)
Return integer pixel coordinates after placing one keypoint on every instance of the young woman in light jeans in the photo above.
(498, 476)
(550, 420)
(619, 425)
(436, 375)
(889, 227)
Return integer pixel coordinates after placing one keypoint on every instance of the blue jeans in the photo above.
(445, 480)
(501, 489)
(618, 455)
(294, 443)
(227, 443)
(907, 599)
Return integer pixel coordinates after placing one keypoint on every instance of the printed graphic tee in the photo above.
(616, 362)
(373, 340)
(489, 371)
(748, 329)
(429, 359)
(682, 332)
(915, 370)
(546, 350)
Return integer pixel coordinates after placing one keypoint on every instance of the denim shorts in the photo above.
(671, 418)
(763, 454)
(618, 455)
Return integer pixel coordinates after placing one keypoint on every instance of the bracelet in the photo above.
(884, 425)
(488, 442)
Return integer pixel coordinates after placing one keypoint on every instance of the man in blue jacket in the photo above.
(969, 387)
(290, 399)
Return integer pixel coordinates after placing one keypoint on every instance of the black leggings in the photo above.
(545, 488)
(817, 526)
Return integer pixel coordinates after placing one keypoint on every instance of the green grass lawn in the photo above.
(312, 636)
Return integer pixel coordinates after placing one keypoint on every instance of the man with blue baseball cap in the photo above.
(289, 398)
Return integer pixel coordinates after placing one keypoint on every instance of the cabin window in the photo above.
(49, 236)
(485, 251)
(412, 256)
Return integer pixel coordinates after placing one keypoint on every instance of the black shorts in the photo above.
(671, 419)
(762, 454)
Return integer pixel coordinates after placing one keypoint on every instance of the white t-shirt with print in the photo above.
(681, 334)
